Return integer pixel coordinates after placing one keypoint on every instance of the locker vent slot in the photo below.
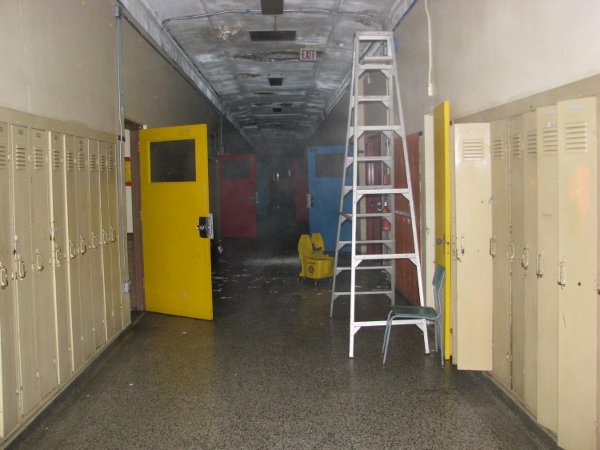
(532, 143)
(20, 157)
(576, 140)
(498, 148)
(80, 161)
(38, 158)
(93, 163)
(550, 141)
(70, 161)
(111, 162)
(516, 149)
(3, 157)
(56, 159)
(473, 149)
(102, 163)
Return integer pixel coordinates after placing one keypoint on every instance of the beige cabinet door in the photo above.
(72, 242)
(58, 237)
(22, 253)
(547, 268)
(105, 241)
(9, 404)
(472, 261)
(41, 269)
(578, 247)
(500, 251)
(94, 248)
(527, 267)
(114, 229)
(517, 226)
(82, 197)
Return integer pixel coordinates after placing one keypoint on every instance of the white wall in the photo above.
(487, 53)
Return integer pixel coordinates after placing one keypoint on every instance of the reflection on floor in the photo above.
(272, 371)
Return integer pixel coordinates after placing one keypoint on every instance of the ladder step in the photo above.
(369, 242)
(373, 66)
(384, 257)
(370, 190)
(376, 59)
(388, 292)
(346, 268)
(385, 158)
(373, 98)
(375, 215)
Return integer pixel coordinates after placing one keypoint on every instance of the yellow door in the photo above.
(443, 211)
(176, 224)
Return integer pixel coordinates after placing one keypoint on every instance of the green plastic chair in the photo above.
(435, 315)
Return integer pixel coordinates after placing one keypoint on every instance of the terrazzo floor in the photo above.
(272, 371)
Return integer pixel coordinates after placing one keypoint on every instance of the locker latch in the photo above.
(205, 227)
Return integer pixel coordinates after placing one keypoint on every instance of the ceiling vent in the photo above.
(275, 79)
(272, 35)
(276, 110)
(271, 7)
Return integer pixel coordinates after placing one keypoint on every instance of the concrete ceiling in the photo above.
(214, 37)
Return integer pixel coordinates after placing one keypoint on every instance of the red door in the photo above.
(237, 194)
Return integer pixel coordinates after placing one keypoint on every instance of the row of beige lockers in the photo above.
(526, 260)
(61, 297)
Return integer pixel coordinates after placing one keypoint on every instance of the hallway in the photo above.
(271, 371)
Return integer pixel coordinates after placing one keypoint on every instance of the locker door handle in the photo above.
(39, 261)
(104, 237)
(493, 246)
(540, 265)
(310, 201)
(3, 276)
(21, 272)
(562, 273)
(113, 234)
(525, 257)
(72, 251)
(57, 254)
(94, 241)
(511, 255)
(82, 245)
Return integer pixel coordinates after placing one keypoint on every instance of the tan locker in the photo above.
(113, 194)
(9, 401)
(106, 256)
(547, 268)
(72, 254)
(472, 261)
(41, 270)
(517, 226)
(500, 251)
(94, 248)
(58, 237)
(578, 255)
(83, 246)
(22, 253)
(527, 269)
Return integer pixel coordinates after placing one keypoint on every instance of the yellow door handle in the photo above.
(3, 276)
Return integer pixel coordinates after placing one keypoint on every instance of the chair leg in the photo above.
(439, 324)
(435, 336)
(386, 341)
(385, 334)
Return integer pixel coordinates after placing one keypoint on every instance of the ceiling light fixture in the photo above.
(271, 7)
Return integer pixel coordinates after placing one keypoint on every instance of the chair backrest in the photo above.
(438, 284)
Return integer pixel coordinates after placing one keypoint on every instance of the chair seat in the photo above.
(414, 311)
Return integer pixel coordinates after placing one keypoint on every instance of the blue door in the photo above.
(325, 166)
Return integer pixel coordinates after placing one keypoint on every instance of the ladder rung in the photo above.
(388, 292)
(373, 98)
(384, 257)
(347, 268)
(382, 67)
(384, 158)
(366, 190)
(397, 128)
(372, 241)
(374, 215)
(376, 59)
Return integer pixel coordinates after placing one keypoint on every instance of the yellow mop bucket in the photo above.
(316, 265)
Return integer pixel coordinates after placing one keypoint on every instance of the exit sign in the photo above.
(308, 54)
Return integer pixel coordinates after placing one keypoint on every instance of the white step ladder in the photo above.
(375, 120)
